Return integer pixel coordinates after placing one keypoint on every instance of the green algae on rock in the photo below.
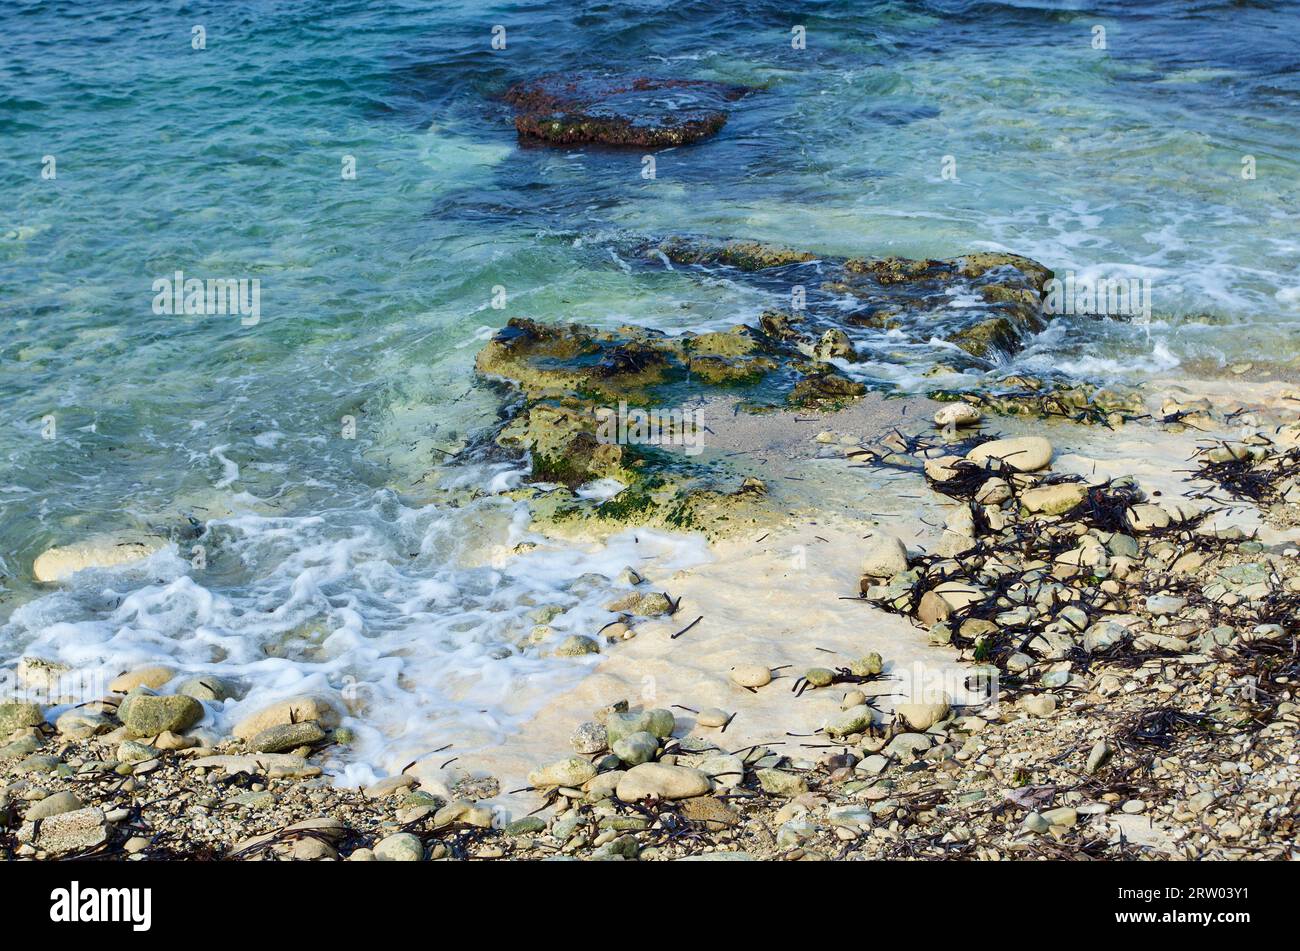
(578, 386)
(1001, 293)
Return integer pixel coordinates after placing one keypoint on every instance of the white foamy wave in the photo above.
(429, 625)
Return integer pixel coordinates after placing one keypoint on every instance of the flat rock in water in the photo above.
(59, 562)
(618, 109)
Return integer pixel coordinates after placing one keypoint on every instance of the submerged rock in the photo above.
(611, 108)
(60, 562)
(608, 405)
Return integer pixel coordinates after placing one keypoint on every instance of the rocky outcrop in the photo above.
(584, 389)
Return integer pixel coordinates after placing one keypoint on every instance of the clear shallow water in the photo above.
(375, 292)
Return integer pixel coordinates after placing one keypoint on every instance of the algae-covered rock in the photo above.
(611, 405)
(146, 715)
(612, 108)
(744, 255)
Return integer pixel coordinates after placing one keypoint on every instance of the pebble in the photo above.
(662, 781)
(776, 782)
(400, 847)
(1054, 499)
(637, 748)
(726, 770)
(1036, 823)
(1038, 705)
(921, 716)
(153, 678)
(590, 737)
(657, 721)
(957, 414)
(67, 831)
(133, 752)
(1021, 453)
(751, 675)
(299, 709)
(906, 745)
(574, 771)
(54, 805)
(1098, 756)
(577, 645)
(853, 720)
(1063, 816)
(286, 736)
(206, 688)
(713, 717)
(389, 785)
(81, 724)
(883, 556)
(16, 716)
(147, 715)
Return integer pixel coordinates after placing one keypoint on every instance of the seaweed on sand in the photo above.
(1245, 478)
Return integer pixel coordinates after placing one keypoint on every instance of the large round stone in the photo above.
(1022, 453)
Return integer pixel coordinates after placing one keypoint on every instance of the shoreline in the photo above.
(973, 625)
(757, 599)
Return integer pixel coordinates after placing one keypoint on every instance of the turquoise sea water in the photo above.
(331, 558)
